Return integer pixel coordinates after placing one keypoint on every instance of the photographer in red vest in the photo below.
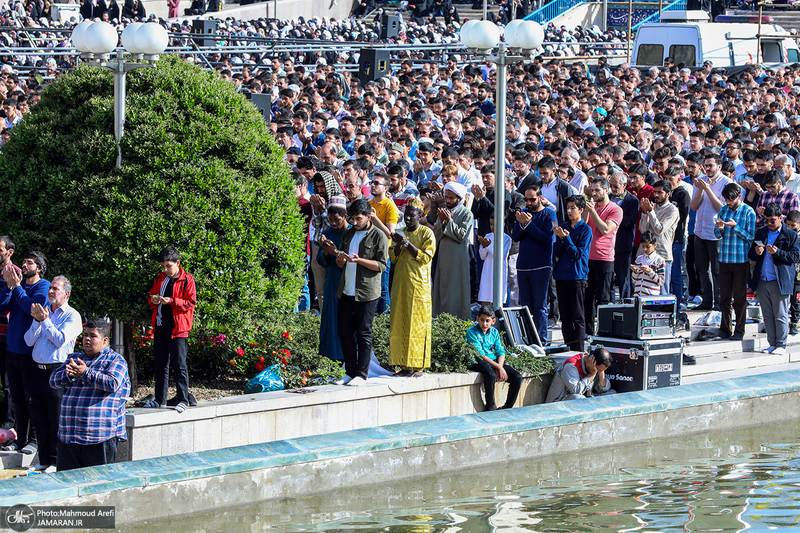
(581, 376)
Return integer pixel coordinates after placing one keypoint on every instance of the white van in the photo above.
(689, 38)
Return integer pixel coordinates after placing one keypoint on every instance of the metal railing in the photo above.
(551, 10)
(678, 5)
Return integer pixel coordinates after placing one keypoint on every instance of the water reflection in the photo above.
(745, 479)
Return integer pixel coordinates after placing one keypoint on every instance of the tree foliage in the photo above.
(200, 170)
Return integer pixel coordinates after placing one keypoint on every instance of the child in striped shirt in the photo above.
(648, 269)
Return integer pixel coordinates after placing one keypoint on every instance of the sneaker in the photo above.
(793, 329)
(689, 360)
(30, 448)
(735, 337)
(779, 350)
(152, 405)
(181, 407)
(768, 350)
(552, 323)
(344, 381)
(39, 467)
(697, 299)
(356, 382)
(13, 447)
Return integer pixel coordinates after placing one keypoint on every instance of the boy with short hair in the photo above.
(491, 359)
(648, 271)
(793, 222)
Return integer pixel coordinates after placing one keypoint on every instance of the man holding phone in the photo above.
(775, 251)
(734, 225)
(173, 297)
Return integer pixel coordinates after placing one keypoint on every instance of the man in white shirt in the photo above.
(52, 335)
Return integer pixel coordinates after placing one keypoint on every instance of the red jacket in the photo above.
(184, 298)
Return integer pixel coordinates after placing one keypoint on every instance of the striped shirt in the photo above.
(93, 407)
(736, 240)
(786, 199)
(649, 283)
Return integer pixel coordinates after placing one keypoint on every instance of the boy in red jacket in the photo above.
(172, 298)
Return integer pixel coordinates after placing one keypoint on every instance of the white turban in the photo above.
(458, 189)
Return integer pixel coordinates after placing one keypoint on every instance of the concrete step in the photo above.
(732, 361)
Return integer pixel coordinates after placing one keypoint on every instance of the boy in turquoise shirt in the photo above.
(491, 363)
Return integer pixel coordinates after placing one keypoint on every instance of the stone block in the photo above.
(261, 427)
(207, 434)
(363, 414)
(235, 430)
(289, 422)
(145, 443)
(390, 410)
(439, 402)
(177, 438)
(415, 406)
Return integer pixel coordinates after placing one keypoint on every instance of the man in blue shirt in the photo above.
(735, 225)
(95, 383)
(571, 250)
(491, 359)
(534, 233)
(23, 288)
(775, 251)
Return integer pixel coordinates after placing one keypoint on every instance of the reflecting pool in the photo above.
(743, 479)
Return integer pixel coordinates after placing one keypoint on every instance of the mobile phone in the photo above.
(758, 243)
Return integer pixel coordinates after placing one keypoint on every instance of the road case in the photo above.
(644, 364)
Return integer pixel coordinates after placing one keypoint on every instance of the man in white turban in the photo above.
(451, 289)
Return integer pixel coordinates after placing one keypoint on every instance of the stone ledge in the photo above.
(698, 407)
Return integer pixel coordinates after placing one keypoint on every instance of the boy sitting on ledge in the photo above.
(491, 364)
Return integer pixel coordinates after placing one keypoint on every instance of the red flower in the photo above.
(286, 336)
(232, 362)
(259, 367)
(239, 352)
(261, 359)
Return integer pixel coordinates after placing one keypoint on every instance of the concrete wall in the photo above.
(273, 416)
(154, 488)
(584, 15)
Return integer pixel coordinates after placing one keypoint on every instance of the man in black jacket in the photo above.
(775, 251)
(623, 248)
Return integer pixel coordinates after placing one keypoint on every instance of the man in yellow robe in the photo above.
(410, 316)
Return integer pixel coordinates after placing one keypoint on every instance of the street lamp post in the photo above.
(481, 37)
(144, 42)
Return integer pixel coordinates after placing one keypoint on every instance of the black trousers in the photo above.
(733, 296)
(598, 289)
(169, 352)
(694, 288)
(72, 456)
(6, 405)
(354, 325)
(794, 305)
(45, 410)
(573, 319)
(706, 257)
(18, 369)
(487, 371)
(622, 273)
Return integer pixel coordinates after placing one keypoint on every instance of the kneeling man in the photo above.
(581, 376)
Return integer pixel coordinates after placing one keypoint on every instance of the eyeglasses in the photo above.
(530, 200)
(377, 182)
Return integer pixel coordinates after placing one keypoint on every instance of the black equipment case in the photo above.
(642, 364)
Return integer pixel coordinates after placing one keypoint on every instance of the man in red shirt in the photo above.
(641, 190)
(173, 297)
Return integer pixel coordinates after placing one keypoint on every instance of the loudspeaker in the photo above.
(205, 28)
(390, 26)
(263, 103)
(373, 64)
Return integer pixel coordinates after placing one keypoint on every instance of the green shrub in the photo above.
(200, 170)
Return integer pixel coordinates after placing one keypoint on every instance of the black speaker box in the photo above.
(373, 64)
(263, 103)
(390, 26)
(205, 28)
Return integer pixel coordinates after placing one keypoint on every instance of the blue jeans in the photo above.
(665, 288)
(383, 301)
(534, 286)
(304, 304)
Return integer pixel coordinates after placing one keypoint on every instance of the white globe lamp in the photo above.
(151, 39)
(101, 38)
(485, 35)
(129, 37)
(79, 35)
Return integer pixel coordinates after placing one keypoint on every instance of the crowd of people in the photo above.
(68, 405)
(618, 183)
